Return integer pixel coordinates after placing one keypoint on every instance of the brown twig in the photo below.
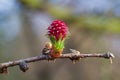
(71, 56)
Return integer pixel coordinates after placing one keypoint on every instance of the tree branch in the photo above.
(72, 56)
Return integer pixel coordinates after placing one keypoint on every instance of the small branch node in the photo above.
(110, 56)
(23, 66)
(74, 57)
(4, 70)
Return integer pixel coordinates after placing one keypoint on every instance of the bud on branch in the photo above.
(57, 33)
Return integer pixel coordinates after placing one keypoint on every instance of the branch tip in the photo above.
(109, 55)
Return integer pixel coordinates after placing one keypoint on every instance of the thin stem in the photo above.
(71, 56)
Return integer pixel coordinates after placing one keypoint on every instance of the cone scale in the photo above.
(57, 33)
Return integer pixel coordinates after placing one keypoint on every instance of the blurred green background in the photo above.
(94, 26)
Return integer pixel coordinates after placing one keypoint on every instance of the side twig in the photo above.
(71, 56)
